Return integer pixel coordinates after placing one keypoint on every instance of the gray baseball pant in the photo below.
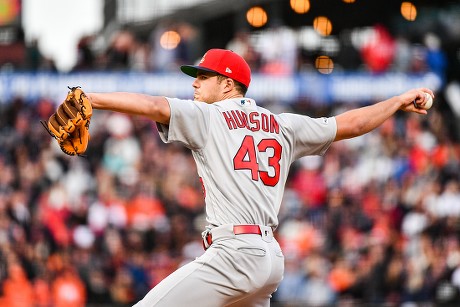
(236, 270)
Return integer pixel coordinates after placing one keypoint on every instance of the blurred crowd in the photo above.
(276, 50)
(375, 222)
(97, 229)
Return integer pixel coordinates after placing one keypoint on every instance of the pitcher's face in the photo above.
(208, 87)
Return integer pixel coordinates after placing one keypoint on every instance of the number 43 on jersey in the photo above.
(246, 159)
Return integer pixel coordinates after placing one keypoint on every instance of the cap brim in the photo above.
(192, 70)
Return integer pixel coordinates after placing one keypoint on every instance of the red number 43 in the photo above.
(246, 159)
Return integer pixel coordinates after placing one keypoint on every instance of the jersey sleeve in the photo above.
(311, 136)
(189, 123)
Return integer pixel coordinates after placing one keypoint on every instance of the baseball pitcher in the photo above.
(243, 154)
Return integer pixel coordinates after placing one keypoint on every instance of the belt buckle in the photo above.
(266, 233)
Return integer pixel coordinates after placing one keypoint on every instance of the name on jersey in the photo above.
(253, 121)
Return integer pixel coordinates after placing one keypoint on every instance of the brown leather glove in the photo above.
(69, 125)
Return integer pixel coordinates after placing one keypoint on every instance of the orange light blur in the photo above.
(9, 11)
(169, 40)
(256, 16)
(322, 25)
(408, 11)
(349, 1)
(324, 64)
(300, 6)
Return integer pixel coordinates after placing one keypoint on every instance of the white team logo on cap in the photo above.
(228, 70)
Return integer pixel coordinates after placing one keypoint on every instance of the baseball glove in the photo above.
(69, 125)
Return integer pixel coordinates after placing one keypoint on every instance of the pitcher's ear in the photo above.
(229, 84)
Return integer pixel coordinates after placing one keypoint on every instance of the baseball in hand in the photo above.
(428, 101)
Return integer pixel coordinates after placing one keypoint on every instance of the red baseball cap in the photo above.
(224, 62)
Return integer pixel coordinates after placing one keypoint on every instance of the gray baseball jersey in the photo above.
(243, 153)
